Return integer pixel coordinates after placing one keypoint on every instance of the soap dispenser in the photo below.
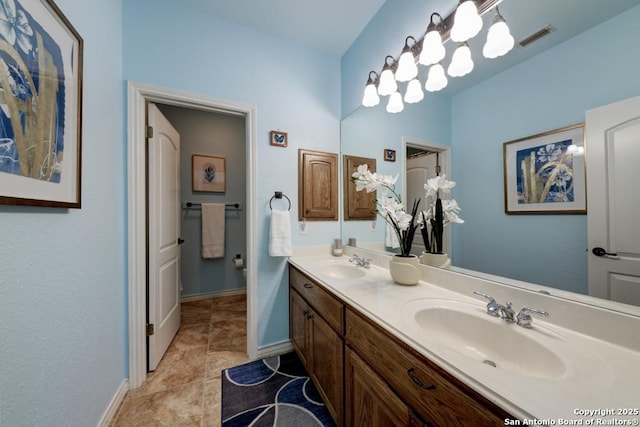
(337, 247)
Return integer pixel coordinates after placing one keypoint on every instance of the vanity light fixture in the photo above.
(575, 150)
(461, 25)
(407, 69)
(461, 62)
(371, 98)
(467, 23)
(432, 48)
(414, 92)
(395, 104)
(387, 84)
(499, 38)
(437, 79)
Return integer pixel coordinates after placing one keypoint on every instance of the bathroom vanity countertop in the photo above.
(599, 374)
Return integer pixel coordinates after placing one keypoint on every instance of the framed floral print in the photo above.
(208, 173)
(545, 173)
(41, 105)
(389, 155)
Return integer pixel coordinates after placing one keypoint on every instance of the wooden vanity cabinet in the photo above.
(316, 322)
(434, 395)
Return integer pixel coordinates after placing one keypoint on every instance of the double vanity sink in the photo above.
(546, 372)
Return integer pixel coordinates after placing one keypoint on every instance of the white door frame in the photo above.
(445, 163)
(137, 96)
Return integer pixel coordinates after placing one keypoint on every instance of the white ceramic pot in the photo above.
(404, 270)
(435, 260)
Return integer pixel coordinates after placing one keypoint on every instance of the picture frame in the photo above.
(279, 139)
(208, 173)
(389, 155)
(545, 173)
(41, 118)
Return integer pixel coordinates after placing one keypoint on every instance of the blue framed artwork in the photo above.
(208, 173)
(545, 173)
(389, 155)
(40, 105)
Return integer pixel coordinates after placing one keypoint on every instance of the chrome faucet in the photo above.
(507, 313)
(361, 261)
(524, 319)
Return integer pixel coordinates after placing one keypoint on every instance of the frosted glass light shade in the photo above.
(466, 22)
(432, 49)
(499, 40)
(395, 104)
(387, 84)
(414, 92)
(370, 98)
(407, 68)
(461, 62)
(437, 79)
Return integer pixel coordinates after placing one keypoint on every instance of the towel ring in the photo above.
(279, 195)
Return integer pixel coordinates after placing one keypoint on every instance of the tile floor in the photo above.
(185, 388)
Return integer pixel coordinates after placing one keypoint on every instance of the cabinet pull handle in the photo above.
(305, 313)
(308, 286)
(418, 382)
(309, 316)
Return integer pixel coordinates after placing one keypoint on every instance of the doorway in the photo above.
(138, 94)
(423, 160)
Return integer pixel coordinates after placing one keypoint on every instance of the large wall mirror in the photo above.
(546, 90)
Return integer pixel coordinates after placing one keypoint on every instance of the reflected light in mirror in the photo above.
(437, 79)
(414, 92)
(499, 38)
(461, 62)
(467, 22)
(395, 104)
(433, 50)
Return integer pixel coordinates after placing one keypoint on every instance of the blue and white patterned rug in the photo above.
(275, 391)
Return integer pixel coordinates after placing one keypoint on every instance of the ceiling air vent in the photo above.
(547, 29)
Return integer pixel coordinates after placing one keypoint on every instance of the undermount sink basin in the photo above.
(340, 270)
(467, 330)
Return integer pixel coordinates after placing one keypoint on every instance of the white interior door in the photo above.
(613, 200)
(164, 232)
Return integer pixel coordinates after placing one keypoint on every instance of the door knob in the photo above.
(180, 240)
(601, 252)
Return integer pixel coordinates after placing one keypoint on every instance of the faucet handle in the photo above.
(507, 313)
(524, 319)
(493, 308)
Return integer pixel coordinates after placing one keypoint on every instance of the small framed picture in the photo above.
(208, 173)
(389, 155)
(279, 139)
(545, 173)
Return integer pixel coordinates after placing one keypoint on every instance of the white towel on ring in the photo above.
(280, 234)
(213, 230)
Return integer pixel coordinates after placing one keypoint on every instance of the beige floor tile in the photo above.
(212, 416)
(228, 335)
(179, 406)
(230, 299)
(191, 337)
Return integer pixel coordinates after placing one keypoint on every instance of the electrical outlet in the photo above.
(373, 226)
(303, 228)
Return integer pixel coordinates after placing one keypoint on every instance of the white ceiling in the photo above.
(328, 25)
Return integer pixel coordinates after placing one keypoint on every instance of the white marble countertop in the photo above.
(600, 347)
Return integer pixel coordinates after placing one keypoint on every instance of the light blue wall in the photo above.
(62, 292)
(549, 91)
(204, 132)
(294, 88)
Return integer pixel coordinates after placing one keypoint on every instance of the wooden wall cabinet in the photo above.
(317, 186)
(358, 205)
(316, 322)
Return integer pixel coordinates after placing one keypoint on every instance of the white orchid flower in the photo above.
(403, 219)
(439, 183)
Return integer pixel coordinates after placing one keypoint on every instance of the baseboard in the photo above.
(114, 405)
(274, 349)
(207, 295)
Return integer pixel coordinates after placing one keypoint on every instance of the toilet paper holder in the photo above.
(238, 261)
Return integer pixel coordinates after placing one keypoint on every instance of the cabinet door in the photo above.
(298, 326)
(317, 186)
(370, 402)
(327, 348)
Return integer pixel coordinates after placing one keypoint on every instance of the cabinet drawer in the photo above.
(444, 403)
(332, 310)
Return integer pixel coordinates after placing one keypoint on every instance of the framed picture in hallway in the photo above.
(40, 118)
(279, 139)
(208, 173)
(545, 173)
